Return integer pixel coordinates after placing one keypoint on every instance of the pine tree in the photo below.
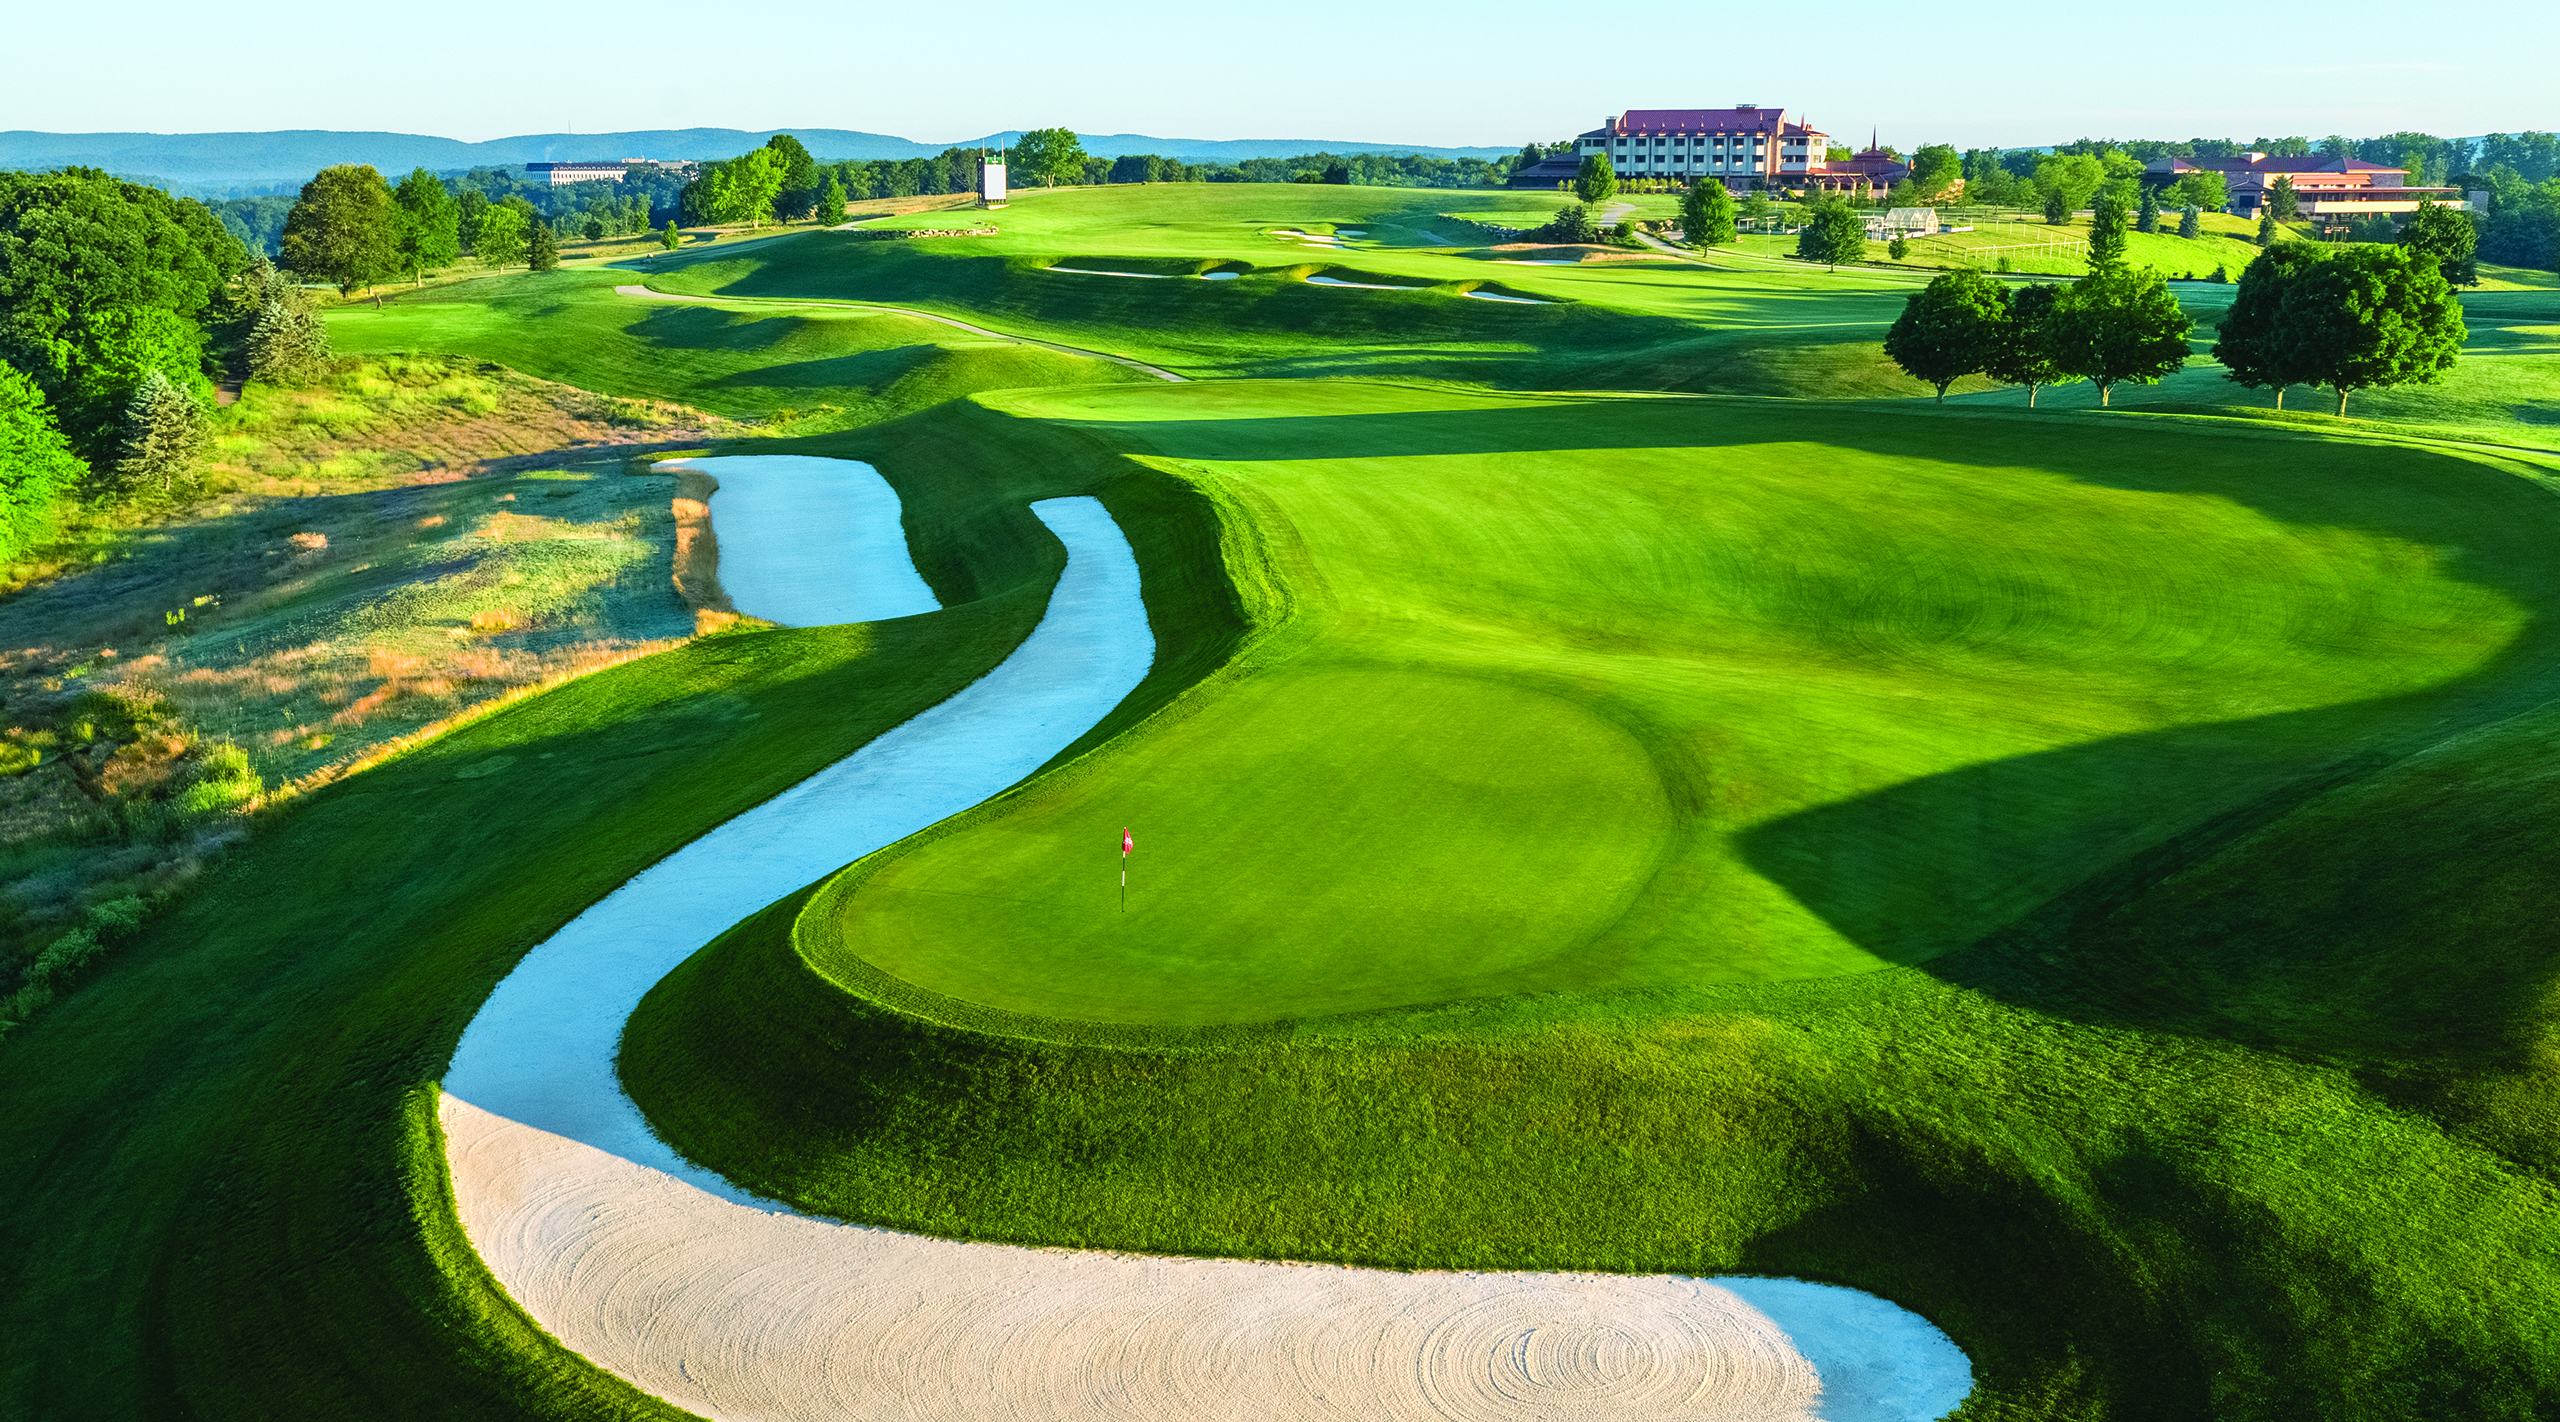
(290, 344)
(164, 435)
(2267, 229)
(543, 254)
(2107, 240)
(2191, 223)
(831, 203)
(2283, 201)
(2147, 217)
(671, 238)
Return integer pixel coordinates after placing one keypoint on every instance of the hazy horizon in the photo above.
(1495, 74)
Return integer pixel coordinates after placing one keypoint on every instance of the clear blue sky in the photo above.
(1421, 71)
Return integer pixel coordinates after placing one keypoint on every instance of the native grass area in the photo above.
(1619, 789)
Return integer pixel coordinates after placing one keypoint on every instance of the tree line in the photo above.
(2306, 313)
(117, 302)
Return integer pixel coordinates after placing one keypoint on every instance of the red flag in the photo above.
(1126, 843)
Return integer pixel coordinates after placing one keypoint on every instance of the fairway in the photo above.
(1565, 690)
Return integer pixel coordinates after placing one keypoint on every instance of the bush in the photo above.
(223, 780)
(1897, 249)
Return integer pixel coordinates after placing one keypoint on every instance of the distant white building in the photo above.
(1912, 221)
(583, 172)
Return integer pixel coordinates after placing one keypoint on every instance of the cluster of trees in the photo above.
(2351, 318)
(2117, 325)
(116, 300)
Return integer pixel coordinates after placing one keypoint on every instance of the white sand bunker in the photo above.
(669, 1277)
(1514, 300)
(1089, 271)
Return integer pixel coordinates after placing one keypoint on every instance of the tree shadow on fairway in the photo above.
(2357, 882)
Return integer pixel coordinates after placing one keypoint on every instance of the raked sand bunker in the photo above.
(739, 1309)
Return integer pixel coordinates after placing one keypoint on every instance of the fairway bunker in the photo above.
(1358, 285)
(672, 1278)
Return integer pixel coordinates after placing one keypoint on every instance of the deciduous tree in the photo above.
(797, 191)
(430, 224)
(2448, 235)
(2369, 317)
(345, 228)
(1935, 169)
(1706, 214)
(37, 468)
(2027, 348)
(2068, 181)
(2121, 326)
(2203, 189)
(1949, 329)
(502, 235)
(2254, 350)
(1833, 233)
(1598, 179)
(1051, 155)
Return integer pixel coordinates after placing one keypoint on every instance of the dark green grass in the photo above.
(2254, 1122)
(1574, 690)
(827, 368)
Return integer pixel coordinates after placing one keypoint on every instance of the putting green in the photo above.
(1567, 689)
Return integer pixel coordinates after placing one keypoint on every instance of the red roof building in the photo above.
(2325, 189)
(1746, 145)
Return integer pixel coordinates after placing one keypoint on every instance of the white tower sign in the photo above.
(991, 184)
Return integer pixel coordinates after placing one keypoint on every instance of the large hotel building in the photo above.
(1747, 146)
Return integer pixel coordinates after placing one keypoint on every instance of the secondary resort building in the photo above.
(2327, 190)
(1746, 146)
(595, 172)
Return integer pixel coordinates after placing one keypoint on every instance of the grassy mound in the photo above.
(808, 368)
(2090, 785)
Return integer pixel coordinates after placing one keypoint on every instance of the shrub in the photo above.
(223, 780)
(1897, 249)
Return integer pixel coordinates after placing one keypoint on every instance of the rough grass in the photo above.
(2167, 1146)
(241, 1209)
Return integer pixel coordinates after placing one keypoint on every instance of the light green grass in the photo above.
(1531, 628)
(808, 369)
(2156, 1139)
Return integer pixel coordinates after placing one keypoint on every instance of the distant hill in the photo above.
(290, 156)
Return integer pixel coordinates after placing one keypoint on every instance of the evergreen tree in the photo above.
(2120, 326)
(287, 343)
(2371, 316)
(2026, 348)
(2107, 240)
(2448, 235)
(1572, 224)
(37, 468)
(2191, 223)
(671, 238)
(164, 435)
(2147, 218)
(1598, 179)
(542, 254)
(1338, 173)
(2283, 201)
(831, 202)
(2267, 229)
(1706, 214)
(1949, 329)
(2254, 350)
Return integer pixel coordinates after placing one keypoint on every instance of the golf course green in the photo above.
(1621, 787)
